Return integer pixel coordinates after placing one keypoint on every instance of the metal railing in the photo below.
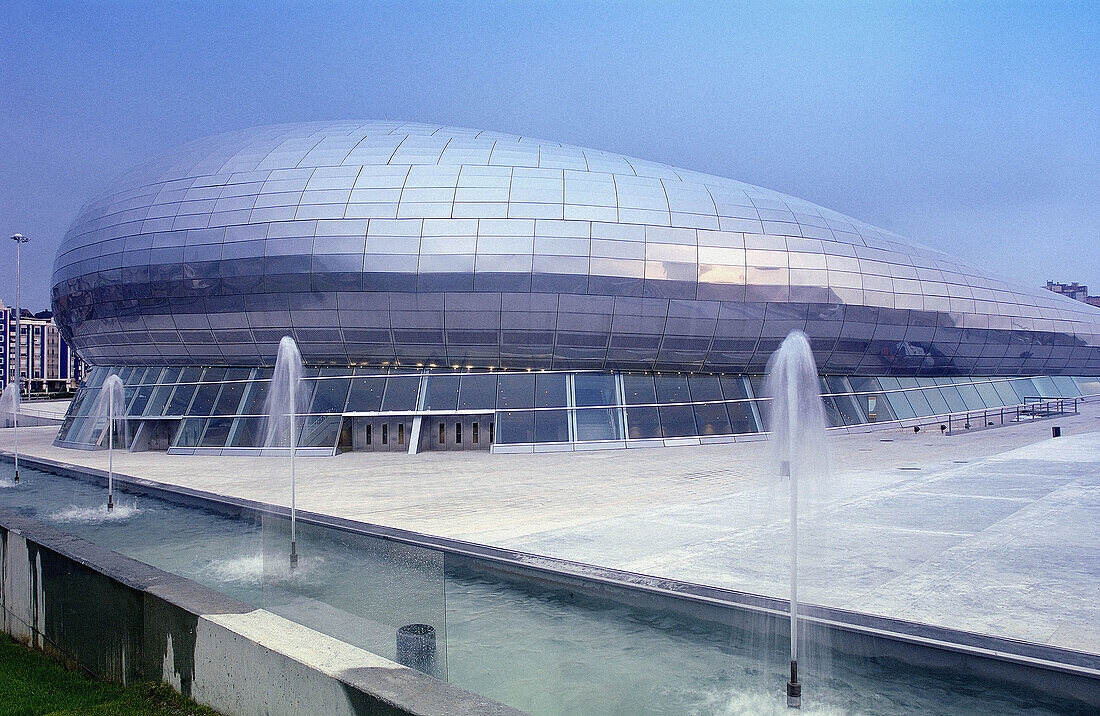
(1030, 409)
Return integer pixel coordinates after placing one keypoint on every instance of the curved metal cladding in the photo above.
(382, 242)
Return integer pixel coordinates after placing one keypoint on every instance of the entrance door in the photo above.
(381, 434)
(460, 432)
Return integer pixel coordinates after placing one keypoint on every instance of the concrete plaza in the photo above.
(993, 531)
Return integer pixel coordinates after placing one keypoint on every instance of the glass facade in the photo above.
(216, 409)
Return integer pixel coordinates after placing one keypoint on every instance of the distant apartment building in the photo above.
(1076, 291)
(48, 364)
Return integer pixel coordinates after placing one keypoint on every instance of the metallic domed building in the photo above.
(426, 256)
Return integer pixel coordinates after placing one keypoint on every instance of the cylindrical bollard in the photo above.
(416, 647)
(1056, 431)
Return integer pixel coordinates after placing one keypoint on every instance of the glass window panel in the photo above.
(155, 375)
(849, 410)
(229, 399)
(1045, 387)
(872, 402)
(96, 377)
(255, 396)
(238, 374)
(331, 395)
(741, 417)
(704, 388)
(141, 398)
(951, 394)
(677, 421)
(401, 392)
(916, 399)
(247, 432)
(711, 419)
(158, 400)
(319, 431)
(832, 415)
(550, 390)
(204, 400)
(76, 429)
(671, 388)
(515, 390)
(594, 389)
(598, 424)
(551, 426)
(477, 391)
(643, 422)
(442, 392)
(1066, 387)
(190, 432)
(515, 426)
(970, 396)
(936, 399)
(211, 375)
(898, 402)
(216, 432)
(190, 375)
(181, 398)
(366, 394)
(734, 387)
(1004, 389)
(63, 431)
(1088, 386)
(989, 395)
(638, 390)
(171, 375)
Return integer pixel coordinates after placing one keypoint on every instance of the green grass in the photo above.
(33, 683)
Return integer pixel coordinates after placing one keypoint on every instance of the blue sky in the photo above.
(971, 127)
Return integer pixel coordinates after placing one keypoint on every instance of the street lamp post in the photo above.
(19, 240)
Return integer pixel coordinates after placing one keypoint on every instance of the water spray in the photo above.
(282, 401)
(111, 400)
(9, 404)
(797, 434)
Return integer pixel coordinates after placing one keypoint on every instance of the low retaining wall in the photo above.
(123, 620)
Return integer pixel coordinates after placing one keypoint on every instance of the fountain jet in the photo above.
(797, 425)
(110, 405)
(9, 405)
(284, 399)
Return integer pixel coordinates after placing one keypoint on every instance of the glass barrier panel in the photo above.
(515, 426)
(551, 426)
(598, 424)
(642, 422)
(190, 433)
(216, 432)
(677, 421)
(712, 419)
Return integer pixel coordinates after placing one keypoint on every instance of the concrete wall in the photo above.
(125, 621)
